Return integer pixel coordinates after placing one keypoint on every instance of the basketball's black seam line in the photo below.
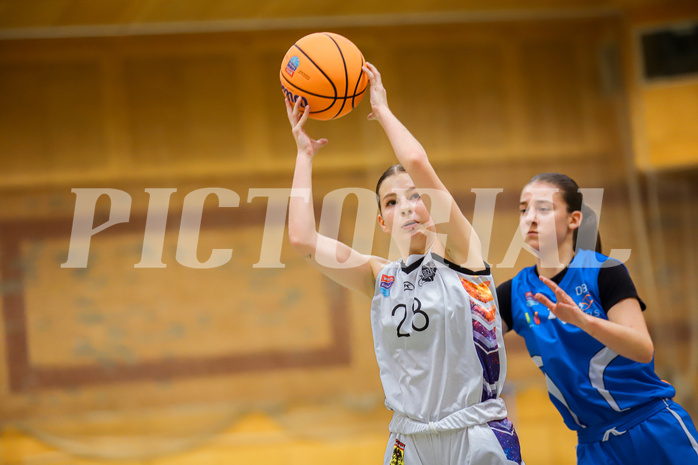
(346, 74)
(320, 95)
(334, 99)
(357, 83)
(319, 69)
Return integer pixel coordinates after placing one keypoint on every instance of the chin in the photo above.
(532, 244)
(415, 235)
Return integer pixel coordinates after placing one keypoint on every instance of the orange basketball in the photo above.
(324, 70)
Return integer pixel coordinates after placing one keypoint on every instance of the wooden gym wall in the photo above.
(111, 361)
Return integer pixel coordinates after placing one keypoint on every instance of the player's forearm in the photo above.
(302, 231)
(407, 148)
(621, 339)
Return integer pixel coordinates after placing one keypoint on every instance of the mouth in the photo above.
(410, 225)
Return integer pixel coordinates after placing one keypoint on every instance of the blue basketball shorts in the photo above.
(668, 437)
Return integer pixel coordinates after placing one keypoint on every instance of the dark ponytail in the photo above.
(587, 235)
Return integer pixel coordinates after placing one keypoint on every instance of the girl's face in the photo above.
(545, 222)
(403, 213)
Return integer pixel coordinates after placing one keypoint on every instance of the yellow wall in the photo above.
(240, 364)
(664, 110)
(133, 108)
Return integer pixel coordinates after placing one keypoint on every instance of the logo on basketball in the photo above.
(292, 65)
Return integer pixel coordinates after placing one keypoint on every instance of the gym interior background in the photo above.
(245, 364)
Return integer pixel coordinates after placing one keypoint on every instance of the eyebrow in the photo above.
(537, 202)
(389, 193)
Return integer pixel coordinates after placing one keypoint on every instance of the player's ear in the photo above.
(381, 221)
(575, 219)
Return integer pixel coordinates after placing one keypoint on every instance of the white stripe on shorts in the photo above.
(694, 444)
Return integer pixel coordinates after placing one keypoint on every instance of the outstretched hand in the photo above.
(378, 95)
(565, 308)
(304, 142)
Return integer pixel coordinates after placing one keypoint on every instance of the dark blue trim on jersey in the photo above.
(459, 268)
(412, 266)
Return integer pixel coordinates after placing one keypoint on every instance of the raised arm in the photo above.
(320, 250)
(462, 243)
(625, 332)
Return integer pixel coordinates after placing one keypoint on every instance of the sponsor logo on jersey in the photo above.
(408, 286)
(530, 300)
(427, 274)
(398, 457)
(386, 283)
(532, 321)
(292, 65)
(586, 302)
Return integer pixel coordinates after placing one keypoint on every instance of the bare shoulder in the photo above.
(377, 264)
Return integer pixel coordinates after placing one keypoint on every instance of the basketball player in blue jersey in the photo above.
(581, 318)
(436, 329)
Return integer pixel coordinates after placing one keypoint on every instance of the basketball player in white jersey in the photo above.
(436, 329)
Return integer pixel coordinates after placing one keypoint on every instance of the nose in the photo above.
(529, 215)
(405, 207)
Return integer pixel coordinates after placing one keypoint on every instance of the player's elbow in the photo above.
(647, 353)
(416, 161)
(302, 243)
(643, 351)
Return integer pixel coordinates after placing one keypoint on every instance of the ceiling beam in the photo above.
(310, 22)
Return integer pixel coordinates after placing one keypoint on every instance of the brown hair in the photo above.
(574, 199)
(392, 171)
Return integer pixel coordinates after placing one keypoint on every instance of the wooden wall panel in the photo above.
(663, 110)
(478, 103)
(184, 109)
(182, 106)
(551, 86)
(493, 104)
(51, 116)
(671, 112)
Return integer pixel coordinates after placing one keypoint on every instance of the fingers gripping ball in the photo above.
(323, 69)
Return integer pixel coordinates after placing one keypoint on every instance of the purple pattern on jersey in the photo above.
(487, 348)
(506, 435)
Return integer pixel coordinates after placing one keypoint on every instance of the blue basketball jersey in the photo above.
(588, 383)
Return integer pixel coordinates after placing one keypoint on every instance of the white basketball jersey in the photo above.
(437, 336)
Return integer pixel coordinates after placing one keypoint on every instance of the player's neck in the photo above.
(552, 264)
(419, 245)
